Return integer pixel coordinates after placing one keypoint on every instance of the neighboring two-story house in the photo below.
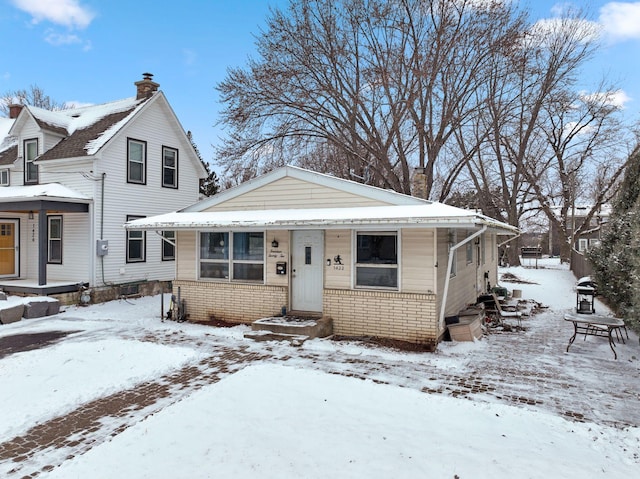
(588, 237)
(69, 181)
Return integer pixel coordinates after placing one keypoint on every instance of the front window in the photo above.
(169, 167)
(30, 167)
(168, 246)
(136, 243)
(54, 238)
(136, 161)
(4, 177)
(377, 260)
(245, 263)
(248, 256)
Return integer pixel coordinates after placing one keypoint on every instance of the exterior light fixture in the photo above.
(274, 243)
(30, 215)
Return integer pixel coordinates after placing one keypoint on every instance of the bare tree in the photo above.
(34, 96)
(529, 98)
(382, 85)
(587, 154)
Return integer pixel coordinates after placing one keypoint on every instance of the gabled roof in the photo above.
(8, 143)
(86, 129)
(366, 191)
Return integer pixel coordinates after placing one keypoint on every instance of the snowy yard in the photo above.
(509, 405)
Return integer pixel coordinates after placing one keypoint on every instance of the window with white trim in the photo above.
(469, 251)
(168, 246)
(30, 168)
(583, 244)
(136, 243)
(4, 177)
(232, 256)
(377, 259)
(54, 239)
(169, 167)
(136, 161)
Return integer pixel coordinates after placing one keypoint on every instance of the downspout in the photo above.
(102, 223)
(445, 293)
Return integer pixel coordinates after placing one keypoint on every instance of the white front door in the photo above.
(306, 271)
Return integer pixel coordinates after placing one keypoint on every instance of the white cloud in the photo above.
(615, 98)
(68, 13)
(58, 39)
(620, 21)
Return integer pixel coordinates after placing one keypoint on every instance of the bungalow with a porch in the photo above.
(378, 263)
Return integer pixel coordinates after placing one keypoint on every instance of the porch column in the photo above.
(42, 247)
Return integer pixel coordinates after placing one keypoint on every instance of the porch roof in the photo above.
(431, 215)
(48, 195)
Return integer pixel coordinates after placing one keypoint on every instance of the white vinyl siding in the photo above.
(148, 200)
(418, 265)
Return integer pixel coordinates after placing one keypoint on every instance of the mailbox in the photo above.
(281, 268)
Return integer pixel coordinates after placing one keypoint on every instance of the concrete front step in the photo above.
(295, 325)
(294, 339)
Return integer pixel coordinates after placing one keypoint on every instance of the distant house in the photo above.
(70, 179)
(377, 262)
(590, 236)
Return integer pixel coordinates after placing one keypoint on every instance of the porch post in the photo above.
(42, 247)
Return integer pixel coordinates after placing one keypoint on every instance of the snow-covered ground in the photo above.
(288, 418)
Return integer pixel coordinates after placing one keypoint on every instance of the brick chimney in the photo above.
(14, 110)
(146, 86)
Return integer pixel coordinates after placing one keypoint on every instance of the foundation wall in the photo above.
(402, 316)
(231, 302)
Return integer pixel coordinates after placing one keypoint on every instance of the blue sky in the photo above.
(92, 51)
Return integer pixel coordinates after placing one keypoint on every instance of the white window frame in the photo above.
(140, 161)
(229, 261)
(138, 236)
(165, 150)
(171, 243)
(372, 265)
(5, 177)
(583, 244)
(29, 162)
(51, 239)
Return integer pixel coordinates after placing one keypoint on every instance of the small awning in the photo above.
(434, 215)
(48, 196)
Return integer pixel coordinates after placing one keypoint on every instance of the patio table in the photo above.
(594, 325)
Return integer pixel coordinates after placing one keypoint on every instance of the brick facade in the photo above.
(403, 316)
(232, 302)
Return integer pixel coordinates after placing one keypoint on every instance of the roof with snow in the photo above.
(86, 129)
(47, 191)
(8, 143)
(424, 215)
